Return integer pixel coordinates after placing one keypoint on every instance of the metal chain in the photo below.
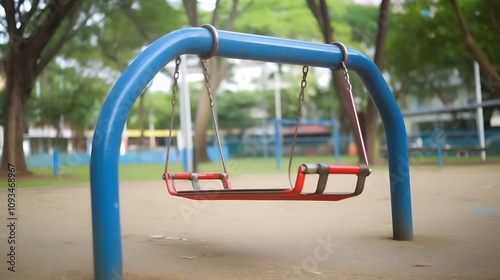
(214, 120)
(355, 111)
(303, 84)
(175, 89)
(207, 82)
(346, 77)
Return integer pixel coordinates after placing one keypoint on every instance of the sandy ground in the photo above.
(456, 225)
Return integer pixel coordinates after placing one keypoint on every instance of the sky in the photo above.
(367, 2)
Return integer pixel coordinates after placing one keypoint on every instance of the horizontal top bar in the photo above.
(199, 41)
(250, 47)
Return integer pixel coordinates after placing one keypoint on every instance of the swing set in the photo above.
(207, 42)
(295, 192)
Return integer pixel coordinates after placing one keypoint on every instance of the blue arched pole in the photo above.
(199, 41)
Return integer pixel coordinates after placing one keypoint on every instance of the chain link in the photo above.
(207, 82)
(347, 78)
(175, 90)
(175, 86)
(303, 84)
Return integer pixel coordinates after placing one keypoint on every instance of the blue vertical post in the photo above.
(397, 146)
(265, 148)
(439, 144)
(55, 162)
(336, 140)
(199, 41)
(185, 164)
(277, 142)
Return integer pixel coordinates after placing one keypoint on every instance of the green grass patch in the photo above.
(80, 175)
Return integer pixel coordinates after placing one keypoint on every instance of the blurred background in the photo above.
(440, 59)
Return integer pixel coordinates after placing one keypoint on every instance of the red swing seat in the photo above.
(295, 193)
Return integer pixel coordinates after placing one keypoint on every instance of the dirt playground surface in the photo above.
(456, 217)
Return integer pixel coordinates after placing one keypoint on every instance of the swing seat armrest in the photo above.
(324, 170)
(195, 179)
(360, 183)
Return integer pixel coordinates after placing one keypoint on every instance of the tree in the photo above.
(33, 40)
(68, 94)
(148, 18)
(113, 43)
(470, 44)
(159, 106)
(283, 19)
(368, 117)
(422, 51)
(234, 109)
(222, 17)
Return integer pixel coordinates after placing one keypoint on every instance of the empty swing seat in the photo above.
(295, 193)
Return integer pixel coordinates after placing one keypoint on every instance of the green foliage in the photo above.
(363, 21)
(106, 48)
(97, 55)
(159, 17)
(293, 20)
(285, 19)
(354, 25)
(116, 39)
(158, 106)
(234, 109)
(68, 93)
(425, 42)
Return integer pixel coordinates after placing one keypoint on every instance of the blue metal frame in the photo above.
(199, 41)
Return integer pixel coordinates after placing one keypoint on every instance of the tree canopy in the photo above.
(424, 43)
(75, 50)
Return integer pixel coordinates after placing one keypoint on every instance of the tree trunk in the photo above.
(191, 7)
(493, 17)
(79, 141)
(371, 116)
(370, 127)
(19, 72)
(23, 61)
(338, 82)
(217, 69)
(201, 128)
